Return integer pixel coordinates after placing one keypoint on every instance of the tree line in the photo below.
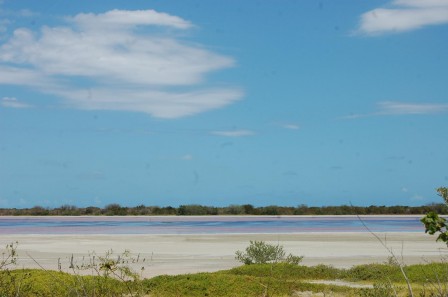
(115, 209)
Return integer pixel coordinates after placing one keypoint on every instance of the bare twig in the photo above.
(52, 275)
(400, 263)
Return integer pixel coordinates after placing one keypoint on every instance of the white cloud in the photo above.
(291, 126)
(13, 103)
(234, 133)
(99, 61)
(28, 13)
(404, 15)
(162, 104)
(123, 18)
(403, 108)
(396, 108)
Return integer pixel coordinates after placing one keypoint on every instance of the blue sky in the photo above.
(223, 102)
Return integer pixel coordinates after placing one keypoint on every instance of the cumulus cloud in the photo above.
(12, 102)
(233, 133)
(100, 61)
(404, 15)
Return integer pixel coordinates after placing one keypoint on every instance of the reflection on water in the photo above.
(204, 225)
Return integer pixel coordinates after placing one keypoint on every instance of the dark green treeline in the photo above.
(246, 209)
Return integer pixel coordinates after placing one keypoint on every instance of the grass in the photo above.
(110, 276)
(36, 282)
(249, 280)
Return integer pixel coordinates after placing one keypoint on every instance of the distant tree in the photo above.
(38, 211)
(233, 210)
(436, 224)
(66, 210)
(114, 209)
(140, 210)
(271, 210)
(249, 209)
(195, 209)
(301, 209)
(168, 210)
(92, 210)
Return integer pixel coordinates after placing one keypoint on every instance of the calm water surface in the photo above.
(205, 225)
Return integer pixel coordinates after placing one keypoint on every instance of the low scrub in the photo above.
(260, 252)
(112, 277)
(37, 282)
(289, 271)
(279, 279)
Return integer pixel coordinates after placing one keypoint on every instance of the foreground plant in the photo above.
(259, 252)
(108, 269)
(436, 224)
(9, 256)
(110, 275)
(11, 284)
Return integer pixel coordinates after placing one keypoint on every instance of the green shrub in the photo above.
(259, 252)
(435, 224)
(288, 271)
(375, 272)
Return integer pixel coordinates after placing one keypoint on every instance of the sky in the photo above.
(223, 102)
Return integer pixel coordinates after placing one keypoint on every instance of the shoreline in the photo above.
(181, 253)
(214, 216)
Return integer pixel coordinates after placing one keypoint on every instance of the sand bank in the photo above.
(177, 254)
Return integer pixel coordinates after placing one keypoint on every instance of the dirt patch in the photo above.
(340, 283)
(310, 294)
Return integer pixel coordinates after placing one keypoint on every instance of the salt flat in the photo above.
(177, 254)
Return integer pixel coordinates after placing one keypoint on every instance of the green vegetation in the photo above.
(280, 279)
(271, 273)
(259, 252)
(109, 275)
(246, 209)
(436, 224)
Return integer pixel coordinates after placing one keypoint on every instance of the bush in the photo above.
(435, 224)
(259, 252)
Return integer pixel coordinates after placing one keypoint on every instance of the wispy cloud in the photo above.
(187, 157)
(13, 103)
(27, 13)
(121, 18)
(100, 61)
(234, 133)
(417, 197)
(391, 107)
(403, 108)
(404, 15)
(291, 126)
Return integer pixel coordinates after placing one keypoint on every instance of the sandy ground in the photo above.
(178, 254)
